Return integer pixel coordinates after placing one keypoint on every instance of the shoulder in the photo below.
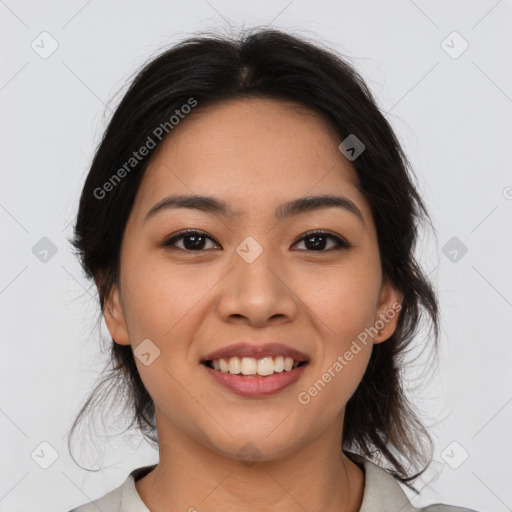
(439, 507)
(110, 502)
(121, 499)
(383, 493)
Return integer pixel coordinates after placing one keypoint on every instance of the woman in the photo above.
(249, 221)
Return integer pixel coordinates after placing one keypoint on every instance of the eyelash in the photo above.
(340, 242)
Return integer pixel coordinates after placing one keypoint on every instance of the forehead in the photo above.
(248, 152)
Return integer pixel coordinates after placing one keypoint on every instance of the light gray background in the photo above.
(453, 116)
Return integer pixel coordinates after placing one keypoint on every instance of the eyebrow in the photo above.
(209, 204)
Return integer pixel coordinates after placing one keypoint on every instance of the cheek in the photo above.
(167, 385)
(164, 305)
(343, 301)
(334, 381)
(160, 298)
(344, 307)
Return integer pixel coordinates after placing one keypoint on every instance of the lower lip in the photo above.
(255, 386)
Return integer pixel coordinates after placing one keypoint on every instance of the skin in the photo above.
(255, 154)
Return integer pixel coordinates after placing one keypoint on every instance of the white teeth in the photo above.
(265, 366)
(248, 366)
(234, 365)
(251, 366)
(224, 367)
(279, 364)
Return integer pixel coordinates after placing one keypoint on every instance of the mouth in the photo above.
(254, 385)
(255, 367)
(255, 370)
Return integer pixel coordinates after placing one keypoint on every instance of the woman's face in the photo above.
(252, 277)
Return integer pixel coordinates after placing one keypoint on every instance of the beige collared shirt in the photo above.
(382, 493)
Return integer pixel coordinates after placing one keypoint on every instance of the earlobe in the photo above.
(114, 318)
(389, 307)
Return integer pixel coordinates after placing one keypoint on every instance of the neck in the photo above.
(191, 477)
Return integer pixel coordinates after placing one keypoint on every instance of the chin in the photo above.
(252, 444)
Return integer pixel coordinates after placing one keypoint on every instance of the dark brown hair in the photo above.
(380, 424)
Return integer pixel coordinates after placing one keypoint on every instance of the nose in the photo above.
(257, 293)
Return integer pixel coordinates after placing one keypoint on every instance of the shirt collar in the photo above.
(382, 492)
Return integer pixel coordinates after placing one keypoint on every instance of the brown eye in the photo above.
(191, 241)
(197, 241)
(318, 240)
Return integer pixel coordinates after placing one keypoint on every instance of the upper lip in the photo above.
(257, 351)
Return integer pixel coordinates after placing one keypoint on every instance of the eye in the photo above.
(192, 240)
(317, 241)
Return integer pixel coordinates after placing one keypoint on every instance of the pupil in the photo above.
(318, 245)
(197, 242)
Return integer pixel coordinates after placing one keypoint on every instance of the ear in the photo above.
(388, 311)
(114, 317)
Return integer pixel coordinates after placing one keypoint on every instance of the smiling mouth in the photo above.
(250, 366)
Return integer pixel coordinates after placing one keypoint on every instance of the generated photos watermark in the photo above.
(158, 133)
(304, 397)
